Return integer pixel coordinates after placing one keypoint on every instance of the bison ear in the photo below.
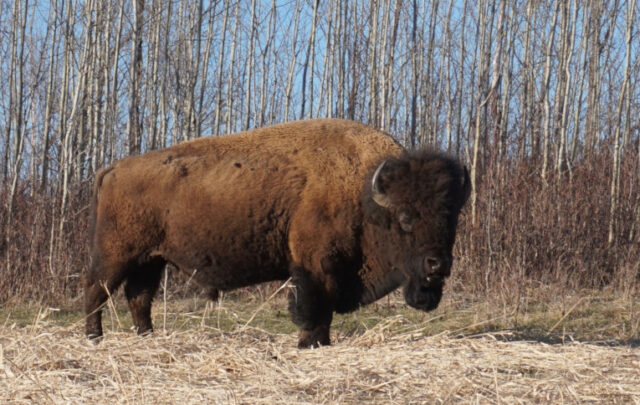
(466, 186)
(377, 191)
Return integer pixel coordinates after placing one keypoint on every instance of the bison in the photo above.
(339, 207)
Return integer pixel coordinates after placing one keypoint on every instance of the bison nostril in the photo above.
(433, 264)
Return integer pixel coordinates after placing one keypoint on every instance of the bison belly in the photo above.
(229, 243)
(218, 264)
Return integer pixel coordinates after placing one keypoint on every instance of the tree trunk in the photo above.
(249, 68)
(544, 97)
(309, 61)
(615, 178)
(292, 63)
(229, 116)
(44, 177)
(20, 11)
(215, 130)
(134, 126)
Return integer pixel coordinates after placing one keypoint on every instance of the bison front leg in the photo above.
(141, 285)
(311, 304)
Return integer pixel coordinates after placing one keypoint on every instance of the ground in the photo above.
(243, 350)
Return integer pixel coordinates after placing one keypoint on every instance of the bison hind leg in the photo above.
(142, 283)
(100, 282)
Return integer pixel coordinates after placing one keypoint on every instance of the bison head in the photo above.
(415, 201)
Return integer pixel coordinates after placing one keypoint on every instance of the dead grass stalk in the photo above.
(53, 364)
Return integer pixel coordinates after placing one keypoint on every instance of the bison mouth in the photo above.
(424, 296)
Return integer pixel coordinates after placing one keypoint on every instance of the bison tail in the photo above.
(94, 203)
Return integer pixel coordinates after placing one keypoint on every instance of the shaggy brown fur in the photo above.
(291, 200)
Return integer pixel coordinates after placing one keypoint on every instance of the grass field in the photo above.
(578, 349)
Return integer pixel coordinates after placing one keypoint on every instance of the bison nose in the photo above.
(433, 264)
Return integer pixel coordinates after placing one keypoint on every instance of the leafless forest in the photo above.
(540, 99)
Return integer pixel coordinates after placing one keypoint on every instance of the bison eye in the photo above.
(407, 220)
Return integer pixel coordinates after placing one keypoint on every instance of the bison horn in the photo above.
(377, 194)
(466, 185)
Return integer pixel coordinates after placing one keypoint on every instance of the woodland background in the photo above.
(540, 99)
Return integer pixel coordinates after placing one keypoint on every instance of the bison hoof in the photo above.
(94, 338)
(314, 338)
(144, 331)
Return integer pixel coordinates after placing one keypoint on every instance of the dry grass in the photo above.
(392, 362)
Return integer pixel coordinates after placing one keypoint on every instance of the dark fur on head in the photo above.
(426, 178)
(424, 191)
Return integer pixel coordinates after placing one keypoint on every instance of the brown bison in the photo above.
(337, 206)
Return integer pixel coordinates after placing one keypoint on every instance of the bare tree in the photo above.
(326, 84)
(44, 177)
(264, 51)
(374, 11)
(309, 59)
(154, 90)
(544, 95)
(622, 108)
(497, 70)
(413, 130)
(249, 67)
(594, 79)
(204, 74)
(17, 85)
(564, 88)
(230, 79)
(428, 117)
(389, 68)
(526, 97)
(341, 39)
(292, 62)
(481, 109)
(215, 130)
(461, 75)
(134, 126)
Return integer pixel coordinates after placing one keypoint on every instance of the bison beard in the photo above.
(425, 297)
(337, 206)
(423, 293)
